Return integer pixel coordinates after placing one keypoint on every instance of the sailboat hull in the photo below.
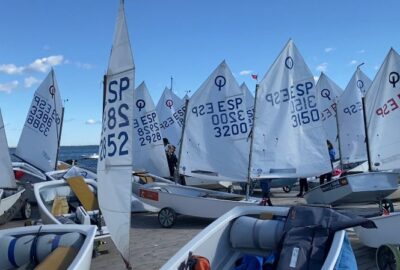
(385, 233)
(189, 200)
(10, 205)
(356, 188)
(215, 241)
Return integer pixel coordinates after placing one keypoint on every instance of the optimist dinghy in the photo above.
(375, 185)
(12, 198)
(262, 233)
(47, 247)
(70, 201)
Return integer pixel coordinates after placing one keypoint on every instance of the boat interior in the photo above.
(74, 203)
(39, 250)
(245, 236)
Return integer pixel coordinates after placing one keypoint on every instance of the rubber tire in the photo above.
(26, 210)
(388, 257)
(287, 189)
(167, 217)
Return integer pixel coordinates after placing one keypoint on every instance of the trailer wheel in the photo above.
(167, 217)
(388, 257)
(287, 189)
(26, 210)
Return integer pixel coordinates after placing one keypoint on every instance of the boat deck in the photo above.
(152, 246)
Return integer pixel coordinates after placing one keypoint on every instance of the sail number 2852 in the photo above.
(115, 119)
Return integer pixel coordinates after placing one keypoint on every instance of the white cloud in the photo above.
(361, 51)
(92, 122)
(84, 65)
(329, 49)
(376, 67)
(39, 65)
(322, 67)
(353, 62)
(316, 78)
(245, 72)
(29, 81)
(8, 87)
(11, 69)
(44, 64)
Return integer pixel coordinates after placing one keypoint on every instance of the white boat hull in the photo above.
(385, 233)
(214, 241)
(356, 188)
(190, 200)
(47, 189)
(8, 202)
(82, 260)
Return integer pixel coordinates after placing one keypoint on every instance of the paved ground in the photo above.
(152, 246)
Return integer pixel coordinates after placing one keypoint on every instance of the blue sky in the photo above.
(183, 38)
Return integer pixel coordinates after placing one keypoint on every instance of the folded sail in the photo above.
(149, 150)
(288, 136)
(114, 169)
(171, 113)
(382, 108)
(351, 119)
(39, 141)
(7, 179)
(328, 93)
(215, 144)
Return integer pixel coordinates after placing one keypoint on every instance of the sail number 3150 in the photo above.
(115, 119)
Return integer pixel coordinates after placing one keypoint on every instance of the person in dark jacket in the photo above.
(265, 185)
(172, 159)
(332, 153)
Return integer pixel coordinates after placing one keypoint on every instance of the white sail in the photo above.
(114, 169)
(215, 143)
(249, 103)
(382, 108)
(171, 113)
(351, 119)
(288, 138)
(39, 141)
(7, 179)
(328, 93)
(148, 146)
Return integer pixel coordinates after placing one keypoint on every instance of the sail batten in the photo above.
(114, 168)
(40, 137)
(216, 130)
(382, 108)
(288, 138)
(351, 119)
(149, 148)
(7, 179)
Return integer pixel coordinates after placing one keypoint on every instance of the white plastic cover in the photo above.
(351, 119)
(328, 93)
(171, 113)
(382, 107)
(215, 145)
(148, 146)
(38, 144)
(7, 179)
(289, 140)
(114, 168)
(249, 103)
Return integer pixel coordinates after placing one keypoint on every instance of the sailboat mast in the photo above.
(172, 79)
(176, 176)
(104, 91)
(62, 118)
(366, 134)
(337, 136)
(251, 146)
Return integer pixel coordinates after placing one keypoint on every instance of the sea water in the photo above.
(77, 153)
